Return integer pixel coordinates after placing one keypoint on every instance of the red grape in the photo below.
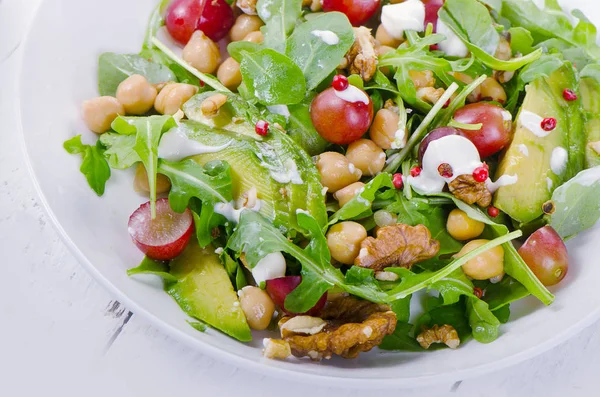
(546, 255)
(165, 236)
(338, 120)
(357, 11)
(433, 136)
(279, 288)
(184, 17)
(431, 12)
(495, 132)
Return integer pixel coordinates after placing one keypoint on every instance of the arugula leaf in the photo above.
(156, 268)
(211, 183)
(453, 315)
(205, 221)
(472, 23)
(514, 265)
(274, 78)
(148, 133)
(453, 286)
(401, 339)
(521, 40)
(120, 151)
(94, 166)
(484, 324)
(301, 129)
(280, 17)
(316, 58)
(502, 314)
(236, 49)
(114, 68)
(577, 204)
(360, 206)
(503, 293)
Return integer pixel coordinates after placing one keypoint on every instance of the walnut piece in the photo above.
(445, 334)
(247, 6)
(362, 58)
(353, 326)
(397, 245)
(430, 95)
(276, 349)
(467, 189)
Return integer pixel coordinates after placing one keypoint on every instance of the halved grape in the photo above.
(279, 288)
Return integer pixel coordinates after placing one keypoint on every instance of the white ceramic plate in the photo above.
(59, 72)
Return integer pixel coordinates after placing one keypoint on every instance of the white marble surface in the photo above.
(62, 334)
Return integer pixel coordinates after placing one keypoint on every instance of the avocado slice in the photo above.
(284, 175)
(529, 155)
(204, 291)
(590, 100)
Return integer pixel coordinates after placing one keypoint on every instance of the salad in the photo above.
(312, 167)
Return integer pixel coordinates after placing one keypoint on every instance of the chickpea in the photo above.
(384, 218)
(475, 96)
(461, 227)
(172, 97)
(140, 181)
(384, 128)
(229, 74)
(202, 53)
(211, 105)
(366, 156)
(136, 95)
(257, 306)
(99, 113)
(422, 79)
(492, 90)
(336, 171)
(343, 240)
(255, 37)
(348, 193)
(487, 265)
(243, 25)
(384, 38)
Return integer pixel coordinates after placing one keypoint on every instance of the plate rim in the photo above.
(257, 366)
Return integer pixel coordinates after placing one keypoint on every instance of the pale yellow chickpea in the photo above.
(140, 181)
(99, 113)
(384, 128)
(172, 97)
(255, 37)
(475, 96)
(463, 228)
(202, 53)
(484, 266)
(136, 95)
(336, 171)
(384, 38)
(382, 50)
(366, 156)
(343, 240)
(422, 78)
(492, 90)
(258, 307)
(243, 25)
(503, 52)
(229, 74)
(348, 193)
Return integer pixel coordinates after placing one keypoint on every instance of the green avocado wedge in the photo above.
(204, 291)
(590, 100)
(535, 159)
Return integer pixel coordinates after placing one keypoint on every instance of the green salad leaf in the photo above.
(273, 78)
(316, 57)
(302, 131)
(577, 204)
(280, 18)
(120, 151)
(504, 293)
(438, 314)
(94, 166)
(484, 324)
(401, 339)
(453, 286)
(148, 132)
(114, 68)
(360, 206)
(155, 268)
(471, 22)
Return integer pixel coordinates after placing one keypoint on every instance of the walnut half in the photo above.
(445, 334)
(362, 58)
(397, 245)
(467, 189)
